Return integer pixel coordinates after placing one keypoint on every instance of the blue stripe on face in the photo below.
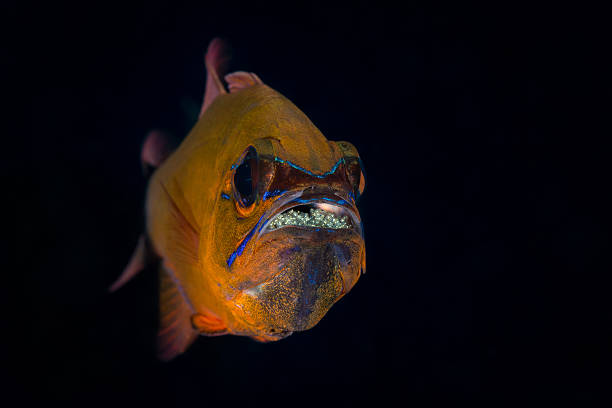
(295, 166)
(274, 193)
(304, 201)
(242, 245)
(223, 195)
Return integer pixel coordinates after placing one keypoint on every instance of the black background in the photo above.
(485, 211)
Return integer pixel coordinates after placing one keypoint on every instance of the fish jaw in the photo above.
(299, 267)
(302, 292)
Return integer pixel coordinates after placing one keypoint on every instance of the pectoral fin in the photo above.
(208, 325)
(136, 264)
(176, 331)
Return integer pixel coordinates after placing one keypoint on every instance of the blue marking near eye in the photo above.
(274, 193)
(295, 166)
(238, 162)
(223, 195)
(341, 202)
(242, 245)
(352, 195)
(263, 224)
(304, 201)
(232, 258)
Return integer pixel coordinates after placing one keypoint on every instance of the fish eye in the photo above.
(362, 179)
(357, 176)
(245, 178)
(354, 168)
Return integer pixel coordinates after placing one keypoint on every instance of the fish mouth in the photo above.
(274, 334)
(311, 243)
(310, 210)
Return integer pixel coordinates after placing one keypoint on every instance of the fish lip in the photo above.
(273, 334)
(279, 334)
(284, 203)
(329, 201)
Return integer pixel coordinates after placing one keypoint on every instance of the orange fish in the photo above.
(252, 219)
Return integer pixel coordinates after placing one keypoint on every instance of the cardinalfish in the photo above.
(252, 220)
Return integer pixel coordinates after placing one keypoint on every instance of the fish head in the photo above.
(298, 245)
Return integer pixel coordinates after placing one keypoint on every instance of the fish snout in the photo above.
(307, 254)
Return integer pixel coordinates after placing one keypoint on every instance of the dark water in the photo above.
(484, 212)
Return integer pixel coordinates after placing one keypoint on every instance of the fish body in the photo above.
(253, 218)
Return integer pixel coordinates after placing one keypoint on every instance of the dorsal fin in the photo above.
(240, 80)
(216, 60)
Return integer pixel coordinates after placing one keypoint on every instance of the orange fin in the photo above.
(176, 332)
(241, 80)
(208, 325)
(136, 264)
(155, 149)
(216, 60)
(182, 234)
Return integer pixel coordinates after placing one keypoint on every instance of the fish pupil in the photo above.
(244, 178)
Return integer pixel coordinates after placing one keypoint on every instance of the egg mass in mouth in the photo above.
(309, 217)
